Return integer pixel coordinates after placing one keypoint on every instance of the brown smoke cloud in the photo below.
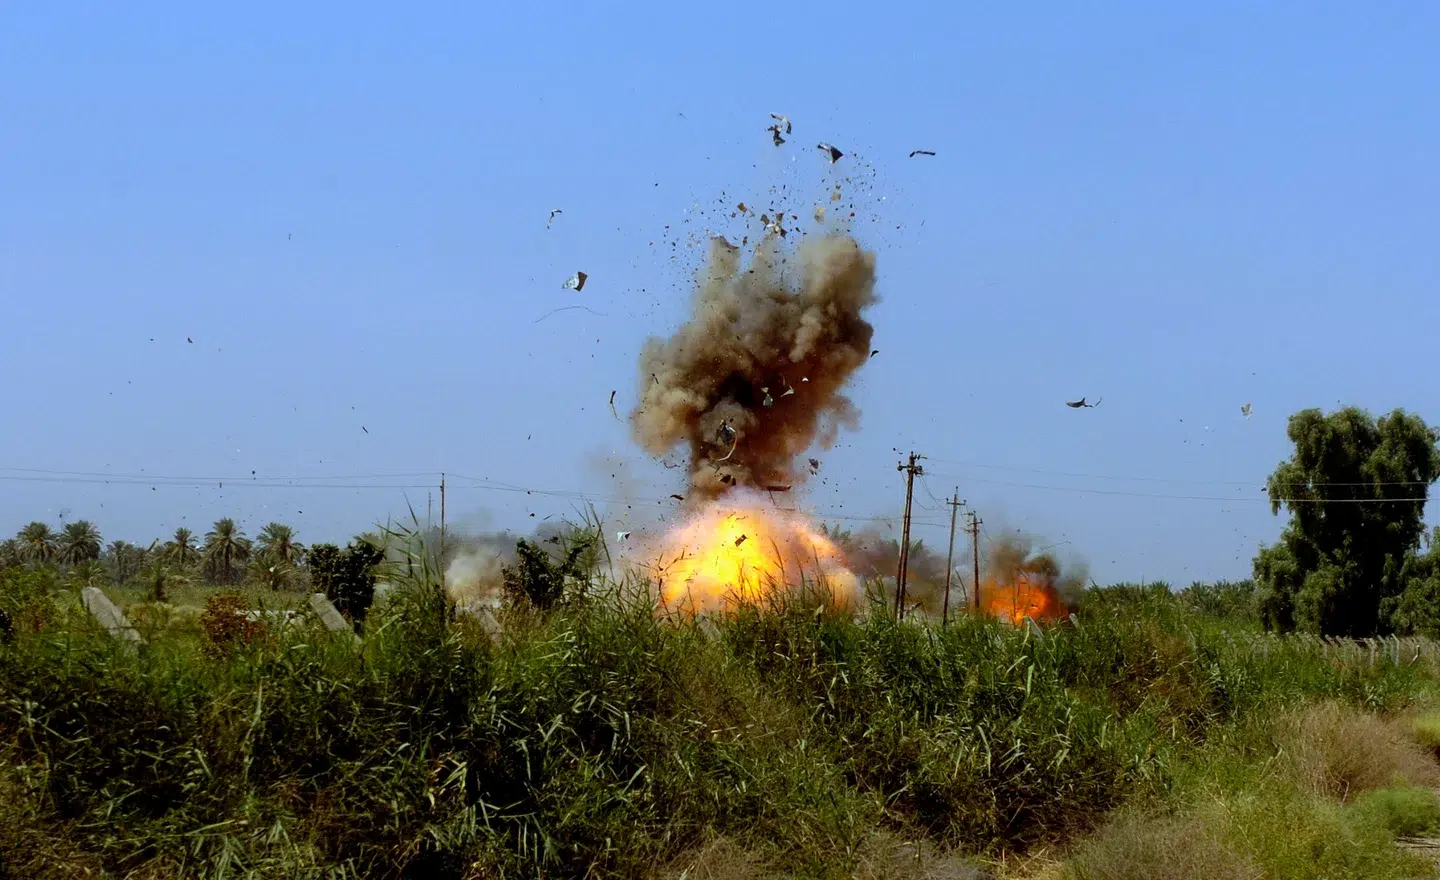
(755, 333)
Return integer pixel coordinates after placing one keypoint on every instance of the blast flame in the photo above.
(729, 554)
(1020, 599)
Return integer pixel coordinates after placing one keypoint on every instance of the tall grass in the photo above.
(602, 739)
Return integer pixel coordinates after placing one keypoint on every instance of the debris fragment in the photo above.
(365, 429)
(620, 536)
(678, 497)
(189, 340)
(726, 479)
(914, 153)
(814, 465)
(819, 214)
(775, 135)
(832, 151)
(1245, 410)
(1077, 404)
(576, 282)
(768, 401)
(874, 352)
(740, 540)
(552, 217)
(782, 121)
(785, 488)
(726, 433)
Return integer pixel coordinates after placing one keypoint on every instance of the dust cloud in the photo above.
(754, 378)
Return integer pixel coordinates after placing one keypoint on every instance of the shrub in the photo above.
(225, 625)
(1136, 846)
(1425, 730)
(1403, 812)
(1341, 752)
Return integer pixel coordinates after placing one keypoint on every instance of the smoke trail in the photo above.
(754, 378)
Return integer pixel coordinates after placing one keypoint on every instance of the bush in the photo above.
(1425, 730)
(1140, 847)
(1341, 752)
(1403, 812)
(225, 625)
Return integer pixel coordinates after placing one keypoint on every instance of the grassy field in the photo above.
(1162, 737)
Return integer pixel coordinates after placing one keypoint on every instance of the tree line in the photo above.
(224, 556)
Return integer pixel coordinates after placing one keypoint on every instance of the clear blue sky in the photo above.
(1176, 207)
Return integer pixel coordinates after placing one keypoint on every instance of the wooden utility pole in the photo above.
(911, 469)
(441, 561)
(955, 503)
(974, 530)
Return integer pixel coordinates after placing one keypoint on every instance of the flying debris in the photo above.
(814, 465)
(189, 340)
(726, 434)
(1077, 404)
(740, 540)
(782, 124)
(1245, 410)
(678, 497)
(552, 217)
(612, 405)
(768, 401)
(620, 536)
(575, 282)
(872, 354)
(832, 151)
(914, 153)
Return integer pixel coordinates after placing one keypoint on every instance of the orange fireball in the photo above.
(729, 553)
(1021, 599)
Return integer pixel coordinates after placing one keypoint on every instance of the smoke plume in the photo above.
(754, 378)
(474, 563)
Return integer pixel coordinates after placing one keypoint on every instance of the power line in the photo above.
(1085, 490)
(1171, 480)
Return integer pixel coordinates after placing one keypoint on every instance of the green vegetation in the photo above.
(1346, 563)
(788, 740)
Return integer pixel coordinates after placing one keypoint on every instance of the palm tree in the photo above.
(226, 549)
(270, 571)
(87, 573)
(124, 559)
(79, 542)
(181, 549)
(11, 555)
(37, 543)
(277, 543)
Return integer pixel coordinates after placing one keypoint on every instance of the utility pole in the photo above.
(911, 469)
(441, 561)
(955, 503)
(974, 530)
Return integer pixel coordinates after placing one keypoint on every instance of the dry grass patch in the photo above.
(1340, 752)
(1136, 846)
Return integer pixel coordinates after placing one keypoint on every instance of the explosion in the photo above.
(1020, 582)
(754, 378)
(729, 554)
(748, 384)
